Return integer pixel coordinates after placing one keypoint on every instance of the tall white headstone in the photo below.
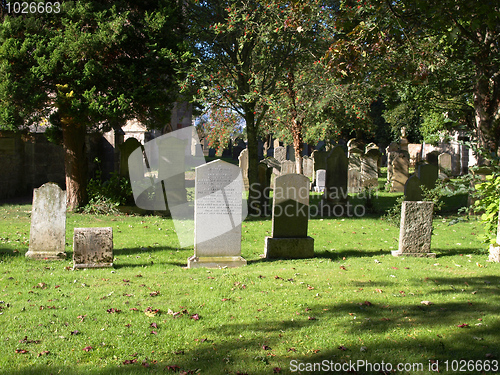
(48, 223)
(218, 214)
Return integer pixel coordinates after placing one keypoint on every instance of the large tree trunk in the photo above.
(75, 163)
(253, 161)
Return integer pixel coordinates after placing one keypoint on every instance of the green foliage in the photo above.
(488, 196)
(393, 215)
(106, 195)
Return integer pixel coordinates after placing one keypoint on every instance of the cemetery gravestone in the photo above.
(369, 167)
(432, 158)
(319, 160)
(444, 164)
(413, 191)
(287, 167)
(428, 174)
(415, 231)
(48, 223)
(290, 219)
(218, 214)
(93, 247)
(354, 174)
(400, 171)
(280, 153)
(336, 177)
(308, 167)
(320, 180)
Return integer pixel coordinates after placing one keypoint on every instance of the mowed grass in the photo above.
(354, 301)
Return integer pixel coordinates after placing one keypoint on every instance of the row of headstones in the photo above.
(218, 213)
(92, 247)
(398, 164)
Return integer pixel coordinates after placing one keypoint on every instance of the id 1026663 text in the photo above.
(18, 7)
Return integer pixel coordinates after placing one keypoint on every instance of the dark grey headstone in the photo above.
(428, 175)
(336, 176)
(413, 191)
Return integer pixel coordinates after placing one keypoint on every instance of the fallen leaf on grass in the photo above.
(153, 325)
(265, 347)
(277, 370)
(26, 341)
(226, 299)
(20, 351)
(343, 268)
(379, 290)
(154, 294)
(134, 309)
(311, 318)
(154, 332)
(113, 311)
(151, 312)
(45, 352)
(129, 361)
(87, 349)
(195, 317)
(366, 303)
(464, 325)
(292, 350)
(75, 332)
(342, 347)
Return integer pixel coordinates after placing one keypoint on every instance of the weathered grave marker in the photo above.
(280, 153)
(218, 214)
(320, 180)
(287, 167)
(93, 247)
(290, 219)
(48, 223)
(415, 230)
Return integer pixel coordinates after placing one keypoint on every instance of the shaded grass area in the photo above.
(353, 301)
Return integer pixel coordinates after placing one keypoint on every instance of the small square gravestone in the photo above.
(290, 219)
(415, 230)
(218, 214)
(93, 247)
(48, 223)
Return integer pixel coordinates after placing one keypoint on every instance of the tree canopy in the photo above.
(90, 67)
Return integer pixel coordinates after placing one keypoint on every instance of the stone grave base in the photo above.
(397, 253)
(494, 254)
(215, 262)
(93, 247)
(45, 255)
(289, 248)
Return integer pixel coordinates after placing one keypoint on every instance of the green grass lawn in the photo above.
(352, 302)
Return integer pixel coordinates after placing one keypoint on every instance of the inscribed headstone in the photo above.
(218, 214)
(48, 223)
(415, 230)
(93, 247)
(290, 219)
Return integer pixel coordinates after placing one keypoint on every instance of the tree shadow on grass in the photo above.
(407, 333)
(11, 252)
(457, 251)
(147, 250)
